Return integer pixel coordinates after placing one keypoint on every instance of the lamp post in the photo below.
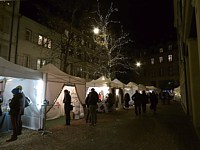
(96, 30)
(138, 64)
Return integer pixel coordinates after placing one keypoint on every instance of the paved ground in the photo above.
(169, 129)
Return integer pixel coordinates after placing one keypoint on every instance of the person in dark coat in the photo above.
(14, 113)
(126, 100)
(22, 106)
(110, 101)
(67, 103)
(144, 101)
(93, 99)
(88, 118)
(137, 102)
(153, 101)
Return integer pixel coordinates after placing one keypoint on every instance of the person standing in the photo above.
(93, 99)
(22, 106)
(126, 100)
(144, 100)
(137, 102)
(67, 103)
(88, 118)
(153, 101)
(14, 113)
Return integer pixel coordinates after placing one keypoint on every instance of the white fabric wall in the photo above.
(32, 89)
(56, 110)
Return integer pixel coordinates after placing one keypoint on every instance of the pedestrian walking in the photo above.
(137, 102)
(67, 106)
(93, 99)
(14, 113)
(153, 101)
(144, 101)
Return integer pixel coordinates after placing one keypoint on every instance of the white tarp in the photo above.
(55, 81)
(13, 75)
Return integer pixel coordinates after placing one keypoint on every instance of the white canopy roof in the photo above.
(153, 88)
(56, 75)
(119, 83)
(102, 81)
(132, 85)
(56, 79)
(10, 69)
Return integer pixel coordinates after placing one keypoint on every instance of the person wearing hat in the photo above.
(22, 106)
(14, 113)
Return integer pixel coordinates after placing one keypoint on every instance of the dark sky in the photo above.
(148, 21)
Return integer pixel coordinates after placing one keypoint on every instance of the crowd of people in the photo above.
(140, 100)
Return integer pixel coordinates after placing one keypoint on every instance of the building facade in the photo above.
(33, 45)
(159, 66)
(187, 23)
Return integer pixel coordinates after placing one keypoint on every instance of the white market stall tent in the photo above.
(130, 88)
(177, 94)
(56, 82)
(102, 81)
(119, 84)
(12, 75)
(119, 97)
(153, 88)
(102, 86)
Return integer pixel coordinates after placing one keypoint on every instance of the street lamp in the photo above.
(96, 30)
(138, 64)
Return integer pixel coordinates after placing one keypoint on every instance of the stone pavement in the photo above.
(168, 129)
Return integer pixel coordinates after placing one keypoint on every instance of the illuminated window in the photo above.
(152, 61)
(45, 41)
(160, 59)
(169, 58)
(40, 40)
(40, 62)
(161, 50)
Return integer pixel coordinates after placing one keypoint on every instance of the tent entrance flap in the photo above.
(56, 107)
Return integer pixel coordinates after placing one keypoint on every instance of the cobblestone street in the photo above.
(168, 129)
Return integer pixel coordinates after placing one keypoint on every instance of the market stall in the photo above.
(103, 86)
(130, 88)
(56, 82)
(12, 75)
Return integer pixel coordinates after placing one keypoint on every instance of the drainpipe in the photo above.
(11, 31)
(17, 39)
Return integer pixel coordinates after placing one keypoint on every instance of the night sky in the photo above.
(147, 21)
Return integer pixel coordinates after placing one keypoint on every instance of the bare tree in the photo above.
(112, 56)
